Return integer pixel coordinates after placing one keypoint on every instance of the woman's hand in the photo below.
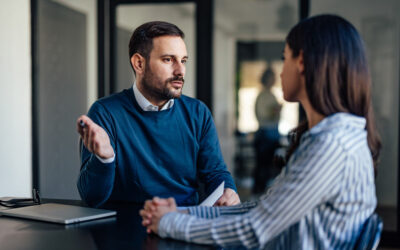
(154, 210)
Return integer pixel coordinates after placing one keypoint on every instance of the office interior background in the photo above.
(59, 56)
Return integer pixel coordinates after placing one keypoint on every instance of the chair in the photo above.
(370, 233)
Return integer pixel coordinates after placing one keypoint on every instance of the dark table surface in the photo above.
(123, 231)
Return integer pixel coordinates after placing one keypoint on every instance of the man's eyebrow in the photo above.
(165, 55)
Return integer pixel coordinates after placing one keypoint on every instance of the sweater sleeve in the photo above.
(96, 179)
(211, 166)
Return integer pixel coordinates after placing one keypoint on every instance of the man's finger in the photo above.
(220, 201)
(231, 201)
(85, 120)
(234, 199)
(90, 139)
(79, 128)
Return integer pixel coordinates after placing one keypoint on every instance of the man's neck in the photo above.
(150, 98)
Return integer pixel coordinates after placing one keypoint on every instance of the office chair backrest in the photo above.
(370, 233)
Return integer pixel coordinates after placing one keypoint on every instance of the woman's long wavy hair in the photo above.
(336, 73)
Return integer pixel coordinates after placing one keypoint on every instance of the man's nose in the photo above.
(179, 69)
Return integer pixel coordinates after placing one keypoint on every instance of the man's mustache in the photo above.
(176, 78)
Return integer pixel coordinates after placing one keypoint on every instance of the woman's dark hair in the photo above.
(142, 38)
(336, 73)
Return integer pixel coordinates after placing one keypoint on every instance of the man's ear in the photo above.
(300, 62)
(138, 63)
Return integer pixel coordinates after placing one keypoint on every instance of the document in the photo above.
(214, 196)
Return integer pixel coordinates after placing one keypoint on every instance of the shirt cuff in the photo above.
(174, 225)
(205, 212)
(105, 161)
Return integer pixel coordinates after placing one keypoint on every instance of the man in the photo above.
(149, 140)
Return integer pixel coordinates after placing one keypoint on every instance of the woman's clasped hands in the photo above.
(154, 210)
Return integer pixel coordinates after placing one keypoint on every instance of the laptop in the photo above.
(58, 213)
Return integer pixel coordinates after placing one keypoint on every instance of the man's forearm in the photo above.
(96, 181)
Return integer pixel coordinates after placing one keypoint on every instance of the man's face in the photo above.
(165, 70)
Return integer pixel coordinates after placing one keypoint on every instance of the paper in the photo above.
(214, 196)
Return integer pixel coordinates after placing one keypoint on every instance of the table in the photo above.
(121, 232)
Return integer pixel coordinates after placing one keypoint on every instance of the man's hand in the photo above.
(229, 198)
(94, 137)
(154, 210)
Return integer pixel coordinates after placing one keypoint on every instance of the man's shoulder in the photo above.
(114, 100)
(192, 103)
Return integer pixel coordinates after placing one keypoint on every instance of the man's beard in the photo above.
(163, 93)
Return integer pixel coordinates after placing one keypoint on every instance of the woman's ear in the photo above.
(138, 63)
(300, 62)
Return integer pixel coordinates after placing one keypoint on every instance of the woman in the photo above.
(326, 192)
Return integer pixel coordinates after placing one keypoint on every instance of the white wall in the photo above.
(15, 99)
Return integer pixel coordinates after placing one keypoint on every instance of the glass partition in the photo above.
(248, 42)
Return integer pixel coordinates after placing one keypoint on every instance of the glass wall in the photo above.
(378, 22)
(130, 16)
(248, 43)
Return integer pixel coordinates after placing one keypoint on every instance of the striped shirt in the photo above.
(320, 201)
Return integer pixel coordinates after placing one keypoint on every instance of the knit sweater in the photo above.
(162, 153)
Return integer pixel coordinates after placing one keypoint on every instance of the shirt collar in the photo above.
(145, 104)
(336, 121)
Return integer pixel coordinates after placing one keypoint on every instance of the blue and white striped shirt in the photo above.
(320, 201)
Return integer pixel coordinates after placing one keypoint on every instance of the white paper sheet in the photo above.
(214, 196)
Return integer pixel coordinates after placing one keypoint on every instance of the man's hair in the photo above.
(142, 38)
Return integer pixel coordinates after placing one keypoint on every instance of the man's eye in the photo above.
(167, 59)
(183, 61)
(283, 58)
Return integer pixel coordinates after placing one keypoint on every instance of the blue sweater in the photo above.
(160, 153)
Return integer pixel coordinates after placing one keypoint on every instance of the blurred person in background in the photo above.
(266, 139)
